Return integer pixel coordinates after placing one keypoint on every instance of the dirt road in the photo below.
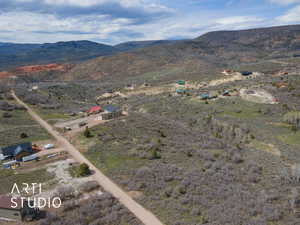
(141, 213)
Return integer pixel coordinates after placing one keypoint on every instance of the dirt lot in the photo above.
(258, 96)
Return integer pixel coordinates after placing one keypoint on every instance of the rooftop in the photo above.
(6, 202)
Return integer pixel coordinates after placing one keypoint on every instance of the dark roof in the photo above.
(111, 108)
(14, 150)
(6, 202)
(246, 73)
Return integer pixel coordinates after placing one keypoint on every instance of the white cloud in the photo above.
(284, 2)
(147, 5)
(33, 27)
(238, 20)
(292, 16)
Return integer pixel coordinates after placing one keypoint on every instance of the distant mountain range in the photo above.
(15, 55)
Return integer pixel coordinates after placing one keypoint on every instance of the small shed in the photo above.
(22, 212)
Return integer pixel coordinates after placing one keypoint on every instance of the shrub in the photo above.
(155, 153)
(83, 170)
(293, 118)
(88, 186)
(65, 193)
(23, 135)
(6, 115)
(87, 133)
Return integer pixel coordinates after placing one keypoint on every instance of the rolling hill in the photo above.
(133, 45)
(205, 54)
(15, 55)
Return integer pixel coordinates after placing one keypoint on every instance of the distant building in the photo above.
(181, 91)
(204, 96)
(226, 93)
(207, 96)
(17, 152)
(110, 112)
(95, 110)
(19, 213)
(181, 82)
(246, 73)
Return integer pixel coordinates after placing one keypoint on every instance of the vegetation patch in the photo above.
(9, 177)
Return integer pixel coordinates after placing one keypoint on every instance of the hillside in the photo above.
(15, 55)
(215, 50)
(272, 42)
(132, 45)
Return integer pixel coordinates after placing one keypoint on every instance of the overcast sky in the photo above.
(115, 21)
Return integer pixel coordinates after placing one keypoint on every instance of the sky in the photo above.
(116, 21)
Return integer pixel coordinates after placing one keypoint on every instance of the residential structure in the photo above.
(181, 82)
(20, 212)
(95, 110)
(17, 152)
(110, 112)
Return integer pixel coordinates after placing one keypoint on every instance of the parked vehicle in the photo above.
(82, 124)
(49, 146)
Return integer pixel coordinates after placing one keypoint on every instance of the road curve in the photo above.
(140, 212)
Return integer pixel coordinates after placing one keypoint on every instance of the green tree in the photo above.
(87, 133)
(83, 170)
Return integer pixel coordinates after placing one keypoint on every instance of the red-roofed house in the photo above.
(95, 110)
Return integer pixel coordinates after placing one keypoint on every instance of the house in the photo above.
(17, 152)
(181, 82)
(130, 87)
(226, 93)
(227, 72)
(204, 96)
(95, 110)
(207, 96)
(246, 73)
(110, 112)
(181, 91)
(13, 209)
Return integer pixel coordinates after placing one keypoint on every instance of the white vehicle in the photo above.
(49, 146)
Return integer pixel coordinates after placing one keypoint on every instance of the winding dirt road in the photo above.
(140, 212)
